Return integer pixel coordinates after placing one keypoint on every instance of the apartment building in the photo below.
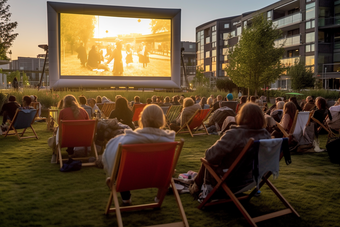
(310, 32)
(189, 60)
(32, 67)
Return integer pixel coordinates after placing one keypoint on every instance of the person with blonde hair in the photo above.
(278, 112)
(310, 105)
(151, 122)
(189, 109)
(250, 124)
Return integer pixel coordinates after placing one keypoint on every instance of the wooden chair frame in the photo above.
(161, 193)
(291, 131)
(330, 133)
(107, 109)
(168, 112)
(192, 133)
(93, 148)
(50, 118)
(221, 182)
(20, 135)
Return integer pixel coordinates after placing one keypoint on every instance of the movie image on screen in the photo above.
(114, 46)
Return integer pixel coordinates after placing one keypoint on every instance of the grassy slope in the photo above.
(34, 193)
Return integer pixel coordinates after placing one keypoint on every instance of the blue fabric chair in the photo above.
(23, 119)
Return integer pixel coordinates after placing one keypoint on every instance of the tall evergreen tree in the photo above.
(255, 60)
(7, 27)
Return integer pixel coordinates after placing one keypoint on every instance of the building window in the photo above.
(225, 43)
(207, 54)
(213, 45)
(310, 11)
(213, 37)
(226, 36)
(207, 68)
(225, 58)
(225, 51)
(269, 15)
(207, 40)
(213, 28)
(310, 37)
(309, 60)
(310, 24)
(226, 25)
(232, 34)
(310, 48)
(239, 31)
(191, 46)
(213, 67)
(213, 53)
(213, 59)
(244, 24)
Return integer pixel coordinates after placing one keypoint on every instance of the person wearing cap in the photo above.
(8, 109)
(230, 97)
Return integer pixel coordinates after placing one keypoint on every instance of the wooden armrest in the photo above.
(203, 160)
(285, 134)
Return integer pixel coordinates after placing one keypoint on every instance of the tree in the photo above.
(225, 84)
(200, 80)
(6, 29)
(160, 25)
(25, 80)
(76, 29)
(301, 76)
(10, 77)
(255, 61)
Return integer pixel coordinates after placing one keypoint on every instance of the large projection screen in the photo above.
(99, 46)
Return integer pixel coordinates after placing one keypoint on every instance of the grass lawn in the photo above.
(34, 193)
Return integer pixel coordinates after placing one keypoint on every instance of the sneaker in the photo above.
(127, 202)
(54, 158)
(258, 193)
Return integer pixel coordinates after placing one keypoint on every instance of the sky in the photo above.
(31, 16)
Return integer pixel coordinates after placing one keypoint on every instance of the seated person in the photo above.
(99, 99)
(175, 100)
(252, 99)
(320, 114)
(151, 122)
(250, 124)
(35, 100)
(93, 106)
(8, 110)
(26, 102)
(106, 100)
(72, 111)
(218, 117)
(294, 100)
(136, 100)
(310, 105)
(189, 109)
(148, 101)
(203, 103)
(82, 102)
(277, 113)
(286, 122)
(167, 101)
(217, 104)
(334, 124)
(273, 107)
(123, 113)
(243, 101)
(154, 99)
(210, 102)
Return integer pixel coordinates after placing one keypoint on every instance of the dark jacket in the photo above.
(10, 108)
(224, 152)
(125, 118)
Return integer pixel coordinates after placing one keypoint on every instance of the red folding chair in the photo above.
(139, 166)
(77, 133)
(137, 109)
(195, 122)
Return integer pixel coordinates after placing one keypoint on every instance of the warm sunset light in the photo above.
(114, 46)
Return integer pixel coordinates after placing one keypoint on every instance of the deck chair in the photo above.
(22, 119)
(240, 167)
(195, 122)
(77, 133)
(292, 128)
(137, 109)
(52, 119)
(331, 134)
(172, 114)
(140, 166)
(100, 106)
(107, 109)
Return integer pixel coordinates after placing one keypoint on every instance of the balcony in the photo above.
(290, 41)
(331, 21)
(287, 62)
(288, 20)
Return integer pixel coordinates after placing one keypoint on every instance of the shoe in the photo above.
(317, 147)
(54, 158)
(127, 202)
(258, 193)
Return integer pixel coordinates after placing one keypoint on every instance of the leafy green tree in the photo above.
(200, 80)
(255, 61)
(10, 77)
(225, 84)
(301, 76)
(25, 80)
(6, 29)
